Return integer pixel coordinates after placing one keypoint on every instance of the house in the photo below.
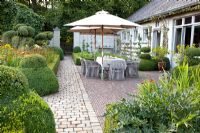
(165, 23)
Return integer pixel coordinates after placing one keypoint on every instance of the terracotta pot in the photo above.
(161, 66)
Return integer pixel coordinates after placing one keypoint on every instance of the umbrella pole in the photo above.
(102, 52)
(95, 44)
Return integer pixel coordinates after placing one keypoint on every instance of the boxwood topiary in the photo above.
(147, 65)
(145, 56)
(12, 83)
(145, 49)
(77, 49)
(21, 110)
(40, 77)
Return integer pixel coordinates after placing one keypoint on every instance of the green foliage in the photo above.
(40, 77)
(43, 38)
(145, 56)
(145, 49)
(147, 65)
(160, 53)
(28, 17)
(171, 105)
(21, 110)
(42, 80)
(12, 87)
(59, 51)
(7, 15)
(8, 35)
(76, 58)
(77, 49)
(25, 31)
(33, 61)
(55, 64)
(192, 56)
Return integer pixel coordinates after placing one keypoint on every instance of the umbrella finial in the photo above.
(102, 12)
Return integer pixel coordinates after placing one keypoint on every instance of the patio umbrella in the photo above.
(103, 19)
(95, 31)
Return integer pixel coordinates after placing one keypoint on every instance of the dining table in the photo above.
(107, 61)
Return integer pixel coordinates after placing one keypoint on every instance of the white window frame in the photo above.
(193, 24)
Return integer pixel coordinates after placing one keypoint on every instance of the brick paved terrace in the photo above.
(104, 92)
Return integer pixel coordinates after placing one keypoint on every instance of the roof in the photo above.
(160, 7)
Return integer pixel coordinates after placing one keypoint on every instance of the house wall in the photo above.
(80, 39)
(169, 22)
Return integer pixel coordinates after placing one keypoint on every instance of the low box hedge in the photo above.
(147, 65)
(21, 110)
(76, 58)
(55, 64)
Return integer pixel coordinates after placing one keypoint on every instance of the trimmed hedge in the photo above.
(77, 49)
(145, 49)
(55, 64)
(191, 53)
(76, 58)
(145, 56)
(147, 65)
(41, 79)
(33, 61)
(59, 51)
(20, 109)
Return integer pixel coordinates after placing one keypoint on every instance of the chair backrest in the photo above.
(82, 62)
(118, 64)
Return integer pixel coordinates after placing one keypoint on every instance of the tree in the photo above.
(7, 15)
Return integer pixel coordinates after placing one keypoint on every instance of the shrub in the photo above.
(13, 87)
(191, 53)
(40, 77)
(77, 49)
(7, 36)
(33, 61)
(145, 56)
(167, 106)
(20, 109)
(59, 51)
(76, 58)
(55, 64)
(147, 65)
(145, 49)
(43, 38)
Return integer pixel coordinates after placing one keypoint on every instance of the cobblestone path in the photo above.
(72, 109)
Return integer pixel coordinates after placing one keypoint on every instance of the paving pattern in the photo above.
(105, 92)
(71, 106)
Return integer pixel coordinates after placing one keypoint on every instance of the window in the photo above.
(157, 24)
(187, 33)
(135, 35)
(124, 35)
(197, 36)
(178, 37)
(188, 20)
(145, 34)
(197, 18)
(179, 22)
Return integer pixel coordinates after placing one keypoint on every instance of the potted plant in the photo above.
(160, 55)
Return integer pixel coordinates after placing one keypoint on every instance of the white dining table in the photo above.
(107, 61)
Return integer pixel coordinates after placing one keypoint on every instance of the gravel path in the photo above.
(71, 106)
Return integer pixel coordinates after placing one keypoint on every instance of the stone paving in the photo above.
(71, 106)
